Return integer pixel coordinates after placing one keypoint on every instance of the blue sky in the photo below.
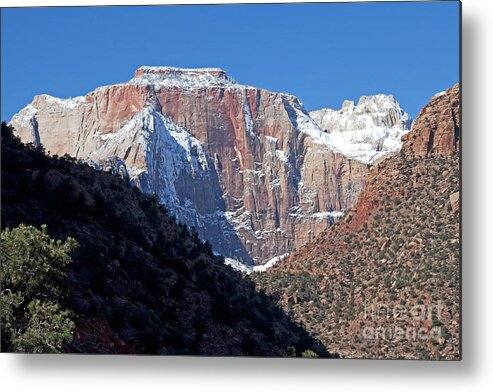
(322, 53)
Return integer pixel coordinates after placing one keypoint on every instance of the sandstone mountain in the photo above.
(383, 282)
(248, 168)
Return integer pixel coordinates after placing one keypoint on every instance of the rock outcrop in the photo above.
(248, 168)
(436, 130)
(455, 202)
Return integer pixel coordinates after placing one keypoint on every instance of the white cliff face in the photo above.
(367, 131)
(158, 151)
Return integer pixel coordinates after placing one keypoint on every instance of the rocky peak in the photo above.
(436, 130)
(367, 131)
(182, 77)
(180, 72)
(380, 103)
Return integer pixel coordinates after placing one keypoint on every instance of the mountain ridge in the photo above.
(272, 179)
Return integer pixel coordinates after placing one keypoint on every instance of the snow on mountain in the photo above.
(367, 131)
(248, 269)
(247, 168)
(112, 164)
(65, 102)
(170, 152)
(184, 78)
(163, 158)
(25, 116)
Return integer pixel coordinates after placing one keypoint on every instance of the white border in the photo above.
(474, 373)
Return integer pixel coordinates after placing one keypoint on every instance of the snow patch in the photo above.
(270, 263)
(67, 103)
(271, 139)
(185, 78)
(248, 119)
(328, 215)
(25, 116)
(248, 269)
(282, 156)
(106, 136)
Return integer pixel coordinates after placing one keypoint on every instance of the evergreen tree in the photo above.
(33, 273)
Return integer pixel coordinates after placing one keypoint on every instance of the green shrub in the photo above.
(309, 354)
(48, 328)
(33, 281)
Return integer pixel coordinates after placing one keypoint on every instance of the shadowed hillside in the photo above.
(139, 281)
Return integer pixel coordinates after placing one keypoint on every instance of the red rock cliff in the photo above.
(436, 130)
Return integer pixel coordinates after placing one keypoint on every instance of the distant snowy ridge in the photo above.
(189, 79)
(177, 70)
(367, 131)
